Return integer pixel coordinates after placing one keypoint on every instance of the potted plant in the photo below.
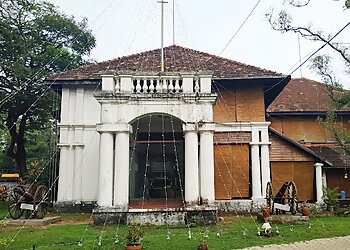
(133, 236)
(330, 197)
(305, 211)
(203, 244)
(266, 211)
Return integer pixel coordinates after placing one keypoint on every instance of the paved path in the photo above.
(33, 222)
(336, 243)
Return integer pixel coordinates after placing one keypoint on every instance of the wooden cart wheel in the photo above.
(292, 195)
(269, 197)
(16, 197)
(41, 202)
(15, 210)
(28, 214)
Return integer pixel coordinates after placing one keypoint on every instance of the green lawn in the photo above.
(3, 209)
(67, 236)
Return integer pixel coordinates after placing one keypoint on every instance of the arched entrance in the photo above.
(156, 162)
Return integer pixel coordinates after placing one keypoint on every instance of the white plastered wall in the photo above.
(79, 143)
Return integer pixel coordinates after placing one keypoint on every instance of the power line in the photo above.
(324, 45)
(240, 27)
(314, 53)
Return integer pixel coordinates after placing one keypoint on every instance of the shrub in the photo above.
(134, 234)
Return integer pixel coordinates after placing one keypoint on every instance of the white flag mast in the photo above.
(162, 35)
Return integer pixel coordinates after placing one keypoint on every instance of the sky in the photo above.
(124, 27)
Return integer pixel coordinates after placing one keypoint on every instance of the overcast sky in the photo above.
(124, 27)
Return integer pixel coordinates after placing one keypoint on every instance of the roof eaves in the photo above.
(73, 82)
(304, 113)
(281, 77)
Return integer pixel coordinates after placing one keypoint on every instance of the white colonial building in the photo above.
(195, 136)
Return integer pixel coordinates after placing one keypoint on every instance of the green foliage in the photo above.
(4, 242)
(36, 41)
(322, 65)
(203, 238)
(3, 224)
(347, 4)
(330, 196)
(342, 212)
(194, 221)
(134, 234)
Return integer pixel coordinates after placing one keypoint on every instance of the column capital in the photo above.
(206, 127)
(113, 128)
(189, 127)
(318, 164)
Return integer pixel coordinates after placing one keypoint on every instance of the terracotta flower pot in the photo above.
(266, 212)
(202, 246)
(305, 211)
(133, 247)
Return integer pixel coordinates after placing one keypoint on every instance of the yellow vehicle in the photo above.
(7, 182)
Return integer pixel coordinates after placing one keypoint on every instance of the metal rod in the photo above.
(173, 22)
(162, 37)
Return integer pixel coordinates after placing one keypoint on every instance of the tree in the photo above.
(283, 23)
(36, 40)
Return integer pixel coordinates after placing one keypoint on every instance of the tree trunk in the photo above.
(16, 149)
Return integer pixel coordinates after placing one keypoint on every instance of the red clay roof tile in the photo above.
(177, 59)
(303, 95)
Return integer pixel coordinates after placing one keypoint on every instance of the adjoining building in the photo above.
(296, 114)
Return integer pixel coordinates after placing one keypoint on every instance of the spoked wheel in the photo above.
(28, 214)
(15, 210)
(41, 202)
(269, 197)
(16, 197)
(292, 195)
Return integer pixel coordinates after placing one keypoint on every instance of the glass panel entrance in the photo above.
(157, 153)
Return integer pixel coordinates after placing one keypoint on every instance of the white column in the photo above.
(78, 146)
(265, 161)
(191, 165)
(324, 179)
(256, 181)
(207, 190)
(318, 172)
(121, 173)
(265, 168)
(255, 160)
(105, 178)
(64, 180)
(78, 165)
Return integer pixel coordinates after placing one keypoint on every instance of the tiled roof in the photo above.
(303, 95)
(177, 59)
(333, 153)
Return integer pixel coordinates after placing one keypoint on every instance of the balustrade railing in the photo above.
(150, 84)
(156, 85)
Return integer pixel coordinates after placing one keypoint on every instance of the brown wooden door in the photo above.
(231, 171)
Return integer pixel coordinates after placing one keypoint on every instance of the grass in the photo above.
(67, 236)
(3, 209)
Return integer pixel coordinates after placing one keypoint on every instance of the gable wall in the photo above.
(305, 129)
(280, 150)
(237, 103)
